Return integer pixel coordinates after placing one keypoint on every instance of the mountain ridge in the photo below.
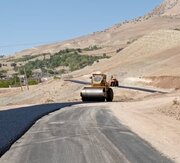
(167, 8)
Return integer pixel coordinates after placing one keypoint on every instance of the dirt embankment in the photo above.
(172, 109)
(156, 119)
(164, 81)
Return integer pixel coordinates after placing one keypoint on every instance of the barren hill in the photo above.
(168, 8)
(155, 54)
(120, 35)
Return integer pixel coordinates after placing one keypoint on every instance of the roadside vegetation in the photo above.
(68, 59)
(14, 81)
(6, 83)
(92, 48)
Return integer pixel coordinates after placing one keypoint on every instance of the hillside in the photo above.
(118, 36)
(112, 40)
(168, 8)
(155, 54)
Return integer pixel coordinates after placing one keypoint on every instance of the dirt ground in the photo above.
(156, 119)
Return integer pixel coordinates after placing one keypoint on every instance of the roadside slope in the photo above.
(155, 53)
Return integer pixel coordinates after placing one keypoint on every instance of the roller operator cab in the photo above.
(99, 89)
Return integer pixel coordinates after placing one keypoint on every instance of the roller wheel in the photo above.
(84, 99)
(110, 95)
(117, 83)
(103, 99)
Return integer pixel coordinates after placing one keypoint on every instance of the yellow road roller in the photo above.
(98, 91)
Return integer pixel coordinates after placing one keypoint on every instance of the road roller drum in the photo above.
(98, 91)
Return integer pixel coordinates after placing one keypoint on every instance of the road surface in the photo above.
(85, 133)
(142, 89)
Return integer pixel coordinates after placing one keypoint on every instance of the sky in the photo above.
(28, 23)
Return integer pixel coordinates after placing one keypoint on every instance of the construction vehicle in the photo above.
(99, 89)
(113, 82)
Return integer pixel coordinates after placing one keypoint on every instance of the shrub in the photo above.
(9, 82)
(13, 65)
(91, 48)
(118, 50)
(177, 29)
(51, 72)
(4, 83)
(32, 82)
(57, 77)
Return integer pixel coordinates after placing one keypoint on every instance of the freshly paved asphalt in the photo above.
(80, 134)
(142, 89)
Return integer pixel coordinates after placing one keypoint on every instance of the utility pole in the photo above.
(20, 80)
(26, 79)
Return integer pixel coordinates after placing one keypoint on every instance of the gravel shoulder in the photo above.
(147, 120)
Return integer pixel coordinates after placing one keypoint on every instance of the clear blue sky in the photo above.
(27, 23)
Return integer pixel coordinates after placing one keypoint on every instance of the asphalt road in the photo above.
(123, 87)
(80, 134)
